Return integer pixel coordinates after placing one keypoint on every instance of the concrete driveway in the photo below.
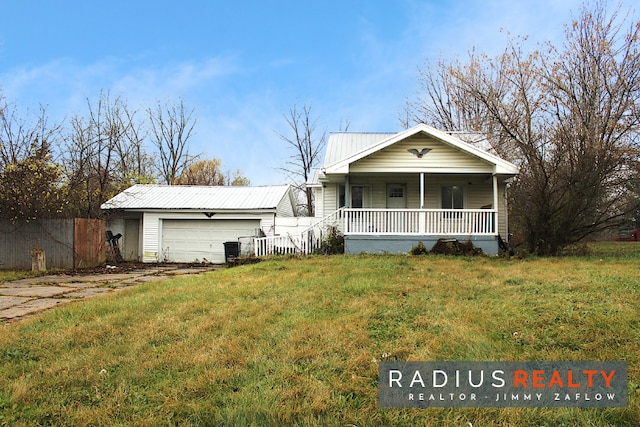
(21, 298)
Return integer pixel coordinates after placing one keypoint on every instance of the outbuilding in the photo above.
(187, 224)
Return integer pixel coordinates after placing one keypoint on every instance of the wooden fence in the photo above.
(66, 243)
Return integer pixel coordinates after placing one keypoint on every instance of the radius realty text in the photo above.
(502, 384)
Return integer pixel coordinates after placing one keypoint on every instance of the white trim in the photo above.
(500, 166)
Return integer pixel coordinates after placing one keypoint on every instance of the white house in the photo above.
(161, 223)
(388, 191)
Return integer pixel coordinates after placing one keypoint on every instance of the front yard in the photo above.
(297, 342)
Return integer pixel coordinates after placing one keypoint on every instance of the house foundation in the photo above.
(399, 244)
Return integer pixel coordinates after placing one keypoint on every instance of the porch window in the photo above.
(452, 197)
(359, 196)
(396, 192)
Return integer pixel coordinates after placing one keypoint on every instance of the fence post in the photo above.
(38, 260)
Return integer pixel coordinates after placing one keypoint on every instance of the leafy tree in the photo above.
(568, 117)
(29, 177)
(209, 172)
(202, 172)
(238, 179)
(30, 186)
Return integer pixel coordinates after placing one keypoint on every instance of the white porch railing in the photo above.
(420, 221)
(380, 222)
(306, 242)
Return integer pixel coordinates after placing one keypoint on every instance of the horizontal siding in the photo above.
(151, 237)
(478, 192)
(285, 207)
(442, 157)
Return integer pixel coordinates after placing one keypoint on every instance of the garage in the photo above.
(185, 240)
(191, 223)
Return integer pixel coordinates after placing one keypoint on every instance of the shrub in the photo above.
(419, 249)
(333, 243)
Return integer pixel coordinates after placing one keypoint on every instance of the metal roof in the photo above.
(181, 197)
(342, 145)
(346, 148)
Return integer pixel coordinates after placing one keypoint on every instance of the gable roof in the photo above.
(344, 149)
(193, 197)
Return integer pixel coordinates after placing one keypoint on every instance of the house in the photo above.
(388, 191)
(163, 223)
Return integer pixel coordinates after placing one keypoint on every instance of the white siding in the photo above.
(478, 192)
(441, 158)
(152, 227)
(150, 237)
(285, 207)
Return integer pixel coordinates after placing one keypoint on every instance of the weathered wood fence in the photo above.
(67, 243)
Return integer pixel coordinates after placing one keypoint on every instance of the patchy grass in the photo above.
(297, 342)
(9, 275)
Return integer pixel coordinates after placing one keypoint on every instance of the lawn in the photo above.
(298, 341)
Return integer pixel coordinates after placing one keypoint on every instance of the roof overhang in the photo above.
(500, 166)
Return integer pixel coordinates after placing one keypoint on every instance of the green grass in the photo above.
(297, 342)
(9, 275)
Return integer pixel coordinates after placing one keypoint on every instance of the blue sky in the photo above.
(242, 64)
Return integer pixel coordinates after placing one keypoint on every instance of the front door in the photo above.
(396, 196)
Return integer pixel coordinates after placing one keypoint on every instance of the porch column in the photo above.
(421, 190)
(422, 216)
(495, 200)
(347, 192)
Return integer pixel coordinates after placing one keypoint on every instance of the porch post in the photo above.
(347, 192)
(421, 190)
(495, 201)
(422, 216)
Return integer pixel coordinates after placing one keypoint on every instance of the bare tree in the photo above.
(18, 135)
(103, 155)
(568, 118)
(171, 127)
(307, 146)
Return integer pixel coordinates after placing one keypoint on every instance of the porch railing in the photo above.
(420, 221)
(382, 221)
(305, 242)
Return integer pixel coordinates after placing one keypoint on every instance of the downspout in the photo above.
(506, 211)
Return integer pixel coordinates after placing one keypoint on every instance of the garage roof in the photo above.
(188, 197)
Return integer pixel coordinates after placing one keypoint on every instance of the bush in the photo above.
(419, 249)
(333, 243)
(454, 247)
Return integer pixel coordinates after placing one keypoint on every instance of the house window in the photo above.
(358, 196)
(452, 197)
(396, 192)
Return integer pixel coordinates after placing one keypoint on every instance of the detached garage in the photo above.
(184, 224)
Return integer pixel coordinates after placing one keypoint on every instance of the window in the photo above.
(452, 197)
(358, 195)
(396, 192)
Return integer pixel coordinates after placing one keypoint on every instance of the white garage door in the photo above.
(202, 240)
